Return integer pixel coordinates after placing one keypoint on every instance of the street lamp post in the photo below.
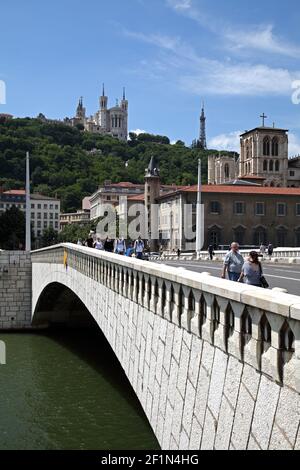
(28, 216)
(199, 227)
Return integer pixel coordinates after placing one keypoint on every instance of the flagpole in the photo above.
(28, 208)
(198, 215)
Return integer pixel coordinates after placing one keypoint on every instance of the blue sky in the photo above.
(240, 58)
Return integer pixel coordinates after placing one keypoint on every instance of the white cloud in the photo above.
(138, 131)
(294, 145)
(261, 38)
(230, 141)
(200, 75)
(256, 37)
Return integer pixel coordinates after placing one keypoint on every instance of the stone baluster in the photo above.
(235, 341)
(146, 299)
(125, 283)
(270, 360)
(141, 291)
(291, 370)
(186, 312)
(160, 303)
(121, 280)
(252, 350)
(177, 307)
(221, 332)
(196, 320)
(207, 331)
(153, 301)
(168, 306)
(135, 286)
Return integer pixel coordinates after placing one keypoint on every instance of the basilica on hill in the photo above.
(110, 121)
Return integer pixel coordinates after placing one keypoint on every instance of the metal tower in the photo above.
(202, 139)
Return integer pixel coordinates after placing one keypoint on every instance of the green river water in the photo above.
(64, 389)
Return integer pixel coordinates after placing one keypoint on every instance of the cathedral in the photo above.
(109, 121)
(263, 161)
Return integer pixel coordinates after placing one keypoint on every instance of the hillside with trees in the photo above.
(70, 164)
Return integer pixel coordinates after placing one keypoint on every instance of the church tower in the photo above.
(152, 192)
(124, 107)
(264, 155)
(202, 137)
(103, 113)
(80, 111)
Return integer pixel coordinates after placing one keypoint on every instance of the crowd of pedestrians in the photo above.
(117, 246)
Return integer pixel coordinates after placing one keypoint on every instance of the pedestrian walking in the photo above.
(262, 249)
(120, 246)
(211, 251)
(270, 250)
(98, 244)
(252, 272)
(109, 245)
(90, 240)
(233, 263)
(139, 247)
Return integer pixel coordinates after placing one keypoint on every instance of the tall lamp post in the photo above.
(199, 228)
(28, 216)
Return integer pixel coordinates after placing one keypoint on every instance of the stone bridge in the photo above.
(215, 364)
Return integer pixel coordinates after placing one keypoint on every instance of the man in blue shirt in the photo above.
(233, 263)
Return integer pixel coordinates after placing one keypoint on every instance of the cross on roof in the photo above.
(263, 116)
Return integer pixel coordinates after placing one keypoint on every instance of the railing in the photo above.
(257, 326)
(291, 254)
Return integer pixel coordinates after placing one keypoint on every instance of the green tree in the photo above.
(12, 229)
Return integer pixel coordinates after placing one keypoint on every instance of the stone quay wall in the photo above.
(215, 365)
(15, 290)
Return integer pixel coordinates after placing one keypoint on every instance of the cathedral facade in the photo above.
(263, 161)
(109, 121)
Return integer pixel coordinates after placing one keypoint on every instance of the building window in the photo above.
(260, 236)
(265, 165)
(39, 206)
(45, 206)
(215, 207)
(266, 146)
(214, 237)
(297, 237)
(281, 209)
(239, 208)
(226, 170)
(45, 224)
(32, 215)
(277, 165)
(39, 215)
(281, 237)
(51, 206)
(56, 224)
(298, 209)
(239, 235)
(271, 165)
(45, 215)
(51, 215)
(56, 207)
(56, 216)
(275, 147)
(32, 206)
(260, 208)
(292, 173)
(39, 224)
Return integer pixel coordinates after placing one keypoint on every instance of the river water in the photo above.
(64, 389)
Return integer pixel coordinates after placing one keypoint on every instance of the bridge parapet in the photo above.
(258, 327)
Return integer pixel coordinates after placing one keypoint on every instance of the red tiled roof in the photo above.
(126, 184)
(243, 190)
(139, 197)
(16, 192)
